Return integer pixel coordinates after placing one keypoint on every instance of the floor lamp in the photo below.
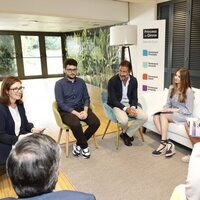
(124, 36)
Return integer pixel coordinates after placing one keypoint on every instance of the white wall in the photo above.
(38, 97)
(141, 14)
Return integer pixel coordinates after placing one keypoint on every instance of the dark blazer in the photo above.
(7, 130)
(115, 92)
(61, 195)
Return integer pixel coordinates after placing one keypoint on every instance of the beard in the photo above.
(71, 77)
(123, 78)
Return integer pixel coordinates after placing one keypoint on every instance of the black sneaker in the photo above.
(85, 153)
(76, 151)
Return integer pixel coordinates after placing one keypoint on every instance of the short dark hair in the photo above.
(126, 63)
(33, 165)
(70, 61)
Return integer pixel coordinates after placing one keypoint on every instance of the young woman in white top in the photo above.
(179, 106)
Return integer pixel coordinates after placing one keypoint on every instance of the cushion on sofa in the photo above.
(153, 101)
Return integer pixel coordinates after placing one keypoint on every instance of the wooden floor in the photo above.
(6, 189)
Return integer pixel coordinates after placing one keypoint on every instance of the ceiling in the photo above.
(22, 22)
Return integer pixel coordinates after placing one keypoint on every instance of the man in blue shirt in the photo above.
(73, 102)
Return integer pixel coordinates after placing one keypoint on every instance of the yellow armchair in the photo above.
(65, 128)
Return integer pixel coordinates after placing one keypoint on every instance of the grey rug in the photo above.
(129, 173)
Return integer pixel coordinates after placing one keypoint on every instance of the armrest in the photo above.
(109, 112)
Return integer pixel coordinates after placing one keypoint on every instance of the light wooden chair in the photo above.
(64, 128)
(111, 118)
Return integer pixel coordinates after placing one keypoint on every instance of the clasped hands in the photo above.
(131, 112)
(82, 115)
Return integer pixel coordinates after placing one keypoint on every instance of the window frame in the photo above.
(19, 57)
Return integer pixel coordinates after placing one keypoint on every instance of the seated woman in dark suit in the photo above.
(13, 120)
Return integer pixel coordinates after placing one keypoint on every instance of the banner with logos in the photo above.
(151, 56)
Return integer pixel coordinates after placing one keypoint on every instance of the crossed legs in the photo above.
(74, 123)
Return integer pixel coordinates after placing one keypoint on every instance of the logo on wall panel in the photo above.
(149, 77)
(149, 64)
(151, 33)
(146, 88)
(149, 53)
(145, 52)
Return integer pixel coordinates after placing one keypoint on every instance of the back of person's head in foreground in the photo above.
(33, 165)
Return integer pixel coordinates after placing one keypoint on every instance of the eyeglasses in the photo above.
(71, 70)
(17, 89)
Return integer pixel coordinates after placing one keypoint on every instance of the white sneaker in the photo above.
(186, 159)
(86, 152)
(170, 150)
(76, 151)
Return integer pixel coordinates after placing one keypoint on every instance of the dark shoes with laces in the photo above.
(166, 147)
(126, 139)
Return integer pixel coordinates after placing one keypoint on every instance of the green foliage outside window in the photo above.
(97, 61)
(7, 59)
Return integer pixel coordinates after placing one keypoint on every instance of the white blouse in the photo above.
(17, 119)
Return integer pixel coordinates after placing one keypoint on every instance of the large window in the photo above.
(8, 64)
(54, 54)
(31, 54)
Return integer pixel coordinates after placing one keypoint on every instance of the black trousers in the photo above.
(74, 123)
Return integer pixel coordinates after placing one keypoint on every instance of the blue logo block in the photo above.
(145, 52)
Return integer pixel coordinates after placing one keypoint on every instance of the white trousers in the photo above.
(135, 123)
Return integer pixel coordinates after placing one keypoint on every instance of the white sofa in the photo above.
(154, 101)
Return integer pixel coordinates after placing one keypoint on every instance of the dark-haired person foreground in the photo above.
(33, 168)
(73, 103)
(13, 121)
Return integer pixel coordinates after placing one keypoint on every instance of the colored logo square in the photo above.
(145, 76)
(145, 52)
(145, 64)
(144, 88)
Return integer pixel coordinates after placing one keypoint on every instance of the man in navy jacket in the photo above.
(122, 97)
